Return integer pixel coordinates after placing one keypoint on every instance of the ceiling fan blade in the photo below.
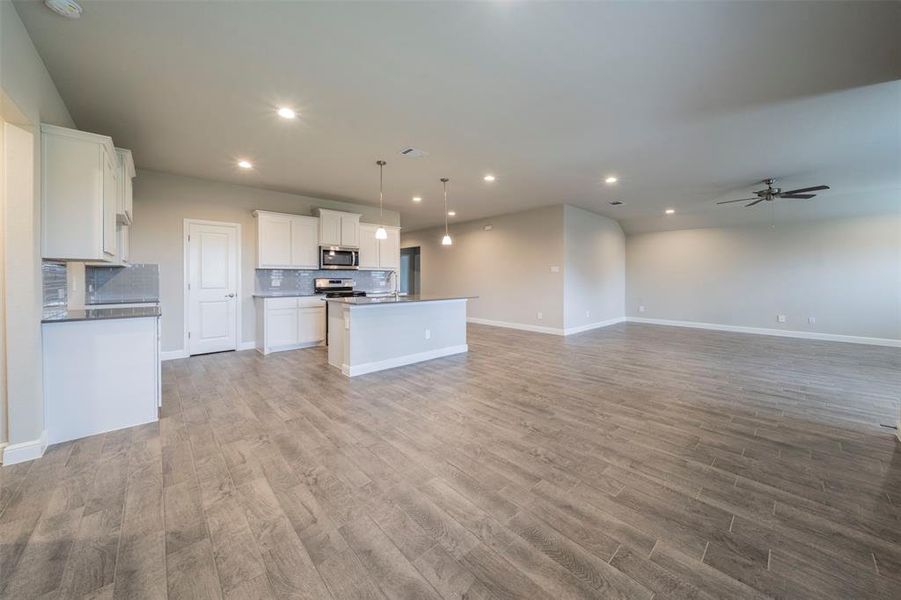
(810, 189)
(797, 195)
(739, 200)
(758, 201)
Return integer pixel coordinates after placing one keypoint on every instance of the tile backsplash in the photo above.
(119, 285)
(290, 280)
(53, 276)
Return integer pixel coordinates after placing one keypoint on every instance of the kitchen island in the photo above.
(368, 334)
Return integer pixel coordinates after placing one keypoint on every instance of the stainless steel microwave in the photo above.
(338, 257)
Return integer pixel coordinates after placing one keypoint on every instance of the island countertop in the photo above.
(378, 300)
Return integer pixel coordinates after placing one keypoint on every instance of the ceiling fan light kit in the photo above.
(771, 193)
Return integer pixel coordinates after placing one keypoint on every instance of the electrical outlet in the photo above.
(428, 334)
(812, 320)
(780, 318)
(555, 269)
(641, 308)
(540, 316)
(60, 294)
(276, 283)
(588, 314)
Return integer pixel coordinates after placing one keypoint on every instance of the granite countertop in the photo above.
(376, 300)
(283, 295)
(99, 314)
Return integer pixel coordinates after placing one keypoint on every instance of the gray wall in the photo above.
(29, 98)
(594, 287)
(508, 267)
(161, 204)
(845, 273)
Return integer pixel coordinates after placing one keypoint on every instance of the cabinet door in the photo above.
(350, 230)
(389, 251)
(369, 246)
(281, 327)
(329, 228)
(274, 243)
(110, 204)
(305, 243)
(311, 326)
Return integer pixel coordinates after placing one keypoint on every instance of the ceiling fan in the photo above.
(771, 193)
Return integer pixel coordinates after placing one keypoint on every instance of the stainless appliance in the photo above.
(338, 257)
(335, 288)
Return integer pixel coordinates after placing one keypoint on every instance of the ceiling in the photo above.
(687, 103)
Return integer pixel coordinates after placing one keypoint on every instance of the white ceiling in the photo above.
(687, 103)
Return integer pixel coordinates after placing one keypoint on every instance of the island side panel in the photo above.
(384, 336)
(337, 335)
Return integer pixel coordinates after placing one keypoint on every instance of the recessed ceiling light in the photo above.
(245, 164)
(417, 198)
(67, 8)
(452, 213)
(611, 179)
(488, 178)
(287, 113)
(670, 211)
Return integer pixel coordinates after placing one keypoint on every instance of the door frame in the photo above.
(186, 266)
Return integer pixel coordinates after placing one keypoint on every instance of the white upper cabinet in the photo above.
(287, 241)
(337, 228)
(369, 246)
(126, 172)
(379, 255)
(79, 194)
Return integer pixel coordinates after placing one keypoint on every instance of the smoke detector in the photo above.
(67, 8)
(412, 152)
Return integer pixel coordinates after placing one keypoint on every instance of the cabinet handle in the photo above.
(229, 295)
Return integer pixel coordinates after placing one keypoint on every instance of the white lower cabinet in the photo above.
(289, 323)
(100, 376)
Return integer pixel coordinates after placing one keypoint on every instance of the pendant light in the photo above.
(446, 240)
(380, 233)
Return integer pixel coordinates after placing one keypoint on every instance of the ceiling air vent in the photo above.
(413, 152)
(616, 203)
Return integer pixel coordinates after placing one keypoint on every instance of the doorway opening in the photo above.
(410, 271)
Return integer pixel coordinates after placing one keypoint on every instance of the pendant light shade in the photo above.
(380, 233)
(446, 240)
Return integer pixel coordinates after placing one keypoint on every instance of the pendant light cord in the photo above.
(381, 165)
(444, 181)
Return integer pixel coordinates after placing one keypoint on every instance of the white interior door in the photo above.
(212, 288)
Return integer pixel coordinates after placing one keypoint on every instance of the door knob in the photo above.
(229, 295)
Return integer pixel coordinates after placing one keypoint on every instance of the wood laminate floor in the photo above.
(630, 462)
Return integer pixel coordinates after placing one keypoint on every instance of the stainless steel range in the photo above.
(335, 288)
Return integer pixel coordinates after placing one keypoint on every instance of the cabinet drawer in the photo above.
(276, 303)
(311, 302)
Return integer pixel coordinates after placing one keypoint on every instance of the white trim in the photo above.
(548, 330)
(807, 335)
(187, 274)
(400, 361)
(520, 326)
(247, 346)
(590, 326)
(25, 451)
(173, 354)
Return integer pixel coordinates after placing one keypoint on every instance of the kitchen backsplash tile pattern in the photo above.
(119, 285)
(53, 276)
(289, 280)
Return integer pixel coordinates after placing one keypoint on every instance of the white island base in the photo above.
(373, 334)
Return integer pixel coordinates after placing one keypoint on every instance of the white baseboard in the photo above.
(247, 346)
(548, 330)
(520, 326)
(400, 361)
(25, 451)
(806, 335)
(590, 326)
(173, 354)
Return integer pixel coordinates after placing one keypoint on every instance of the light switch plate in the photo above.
(555, 269)
(540, 316)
